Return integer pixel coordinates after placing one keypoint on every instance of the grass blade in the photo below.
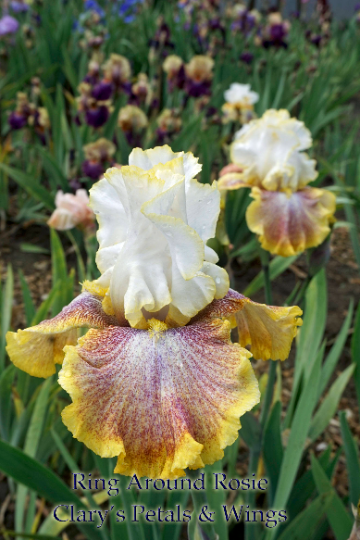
(328, 407)
(28, 301)
(277, 266)
(352, 459)
(334, 355)
(6, 312)
(308, 519)
(296, 442)
(28, 471)
(339, 519)
(31, 445)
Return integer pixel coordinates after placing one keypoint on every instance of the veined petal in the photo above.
(160, 400)
(268, 330)
(289, 223)
(36, 350)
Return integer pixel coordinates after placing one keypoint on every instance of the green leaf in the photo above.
(31, 473)
(195, 531)
(6, 312)
(172, 530)
(304, 487)
(81, 266)
(297, 439)
(355, 351)
(44, 308)
(28, 471)
(71, 463)
(216, 498)
(349, 211)
(308, 519)
(31, 536)
(352, 459)
(251, 431)
(309, 337)
(329, 406)
(28, 302)
(53, 170)
(31, 185)
(272, 447)
(339, 519)
(277, 266)
(112, 122)
(32, 248)
(6, 406)
(31, 445)
(336, 350)
(59, 271)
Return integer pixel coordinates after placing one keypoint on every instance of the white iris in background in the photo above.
(270, 152)
(241, 95)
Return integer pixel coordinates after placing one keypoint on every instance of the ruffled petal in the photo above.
(149, 258)
(189, 296)
(289, 223)
(36, 350)
(268, 150)
(161, 400)
(108, 201)
(187, 165)
(267, 330)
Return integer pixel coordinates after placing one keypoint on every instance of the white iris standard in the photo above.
(270, 152)
(154, 222)
(240, 94)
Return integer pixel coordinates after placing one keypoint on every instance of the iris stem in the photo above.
(268, 393)
(265, 261)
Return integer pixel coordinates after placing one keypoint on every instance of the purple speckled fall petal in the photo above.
(160, 400)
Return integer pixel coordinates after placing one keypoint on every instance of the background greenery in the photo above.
(318, 85)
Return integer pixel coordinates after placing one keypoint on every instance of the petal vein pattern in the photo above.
(159, 400)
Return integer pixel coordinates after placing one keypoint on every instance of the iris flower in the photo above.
(288, 215)
(239, 106)
(156, 380)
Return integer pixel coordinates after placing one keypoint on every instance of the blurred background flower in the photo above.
(71, 211)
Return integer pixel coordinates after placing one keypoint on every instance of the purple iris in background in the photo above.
(17, 120)
(97, 115)
(8, 25)
(246, 57)
(18, 7)
(102, 90)
(93, 169)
